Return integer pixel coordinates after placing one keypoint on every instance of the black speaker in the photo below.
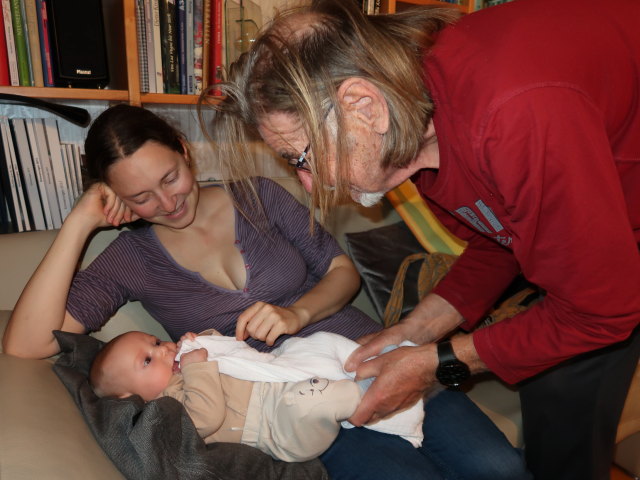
(78, 47)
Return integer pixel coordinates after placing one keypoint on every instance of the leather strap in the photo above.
(445, 352)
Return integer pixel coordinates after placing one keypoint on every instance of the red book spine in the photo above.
(5, 80)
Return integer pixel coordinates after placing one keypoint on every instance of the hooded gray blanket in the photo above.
(157, 440)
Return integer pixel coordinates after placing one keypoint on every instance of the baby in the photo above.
(233, 393)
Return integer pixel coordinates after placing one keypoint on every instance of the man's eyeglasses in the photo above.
(301, 163)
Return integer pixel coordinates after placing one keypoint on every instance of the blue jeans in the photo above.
(460, 443)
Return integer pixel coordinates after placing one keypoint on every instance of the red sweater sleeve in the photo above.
(479, 276)
(548, 155)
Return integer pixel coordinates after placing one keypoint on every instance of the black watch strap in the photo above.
(451, 372)
(445, 352)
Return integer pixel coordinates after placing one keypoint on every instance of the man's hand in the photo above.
(404, 375)
(373, 344)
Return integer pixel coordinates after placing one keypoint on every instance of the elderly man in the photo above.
(520, 125)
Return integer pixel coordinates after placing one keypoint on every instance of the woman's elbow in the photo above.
(27, 348)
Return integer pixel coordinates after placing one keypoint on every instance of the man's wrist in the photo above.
(465, 350)
(451, 371)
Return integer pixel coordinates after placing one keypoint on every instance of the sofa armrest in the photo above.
(43, 434)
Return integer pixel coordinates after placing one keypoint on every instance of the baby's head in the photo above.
(134, 363)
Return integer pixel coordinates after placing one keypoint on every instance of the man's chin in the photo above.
(367, 199)
(306, 179)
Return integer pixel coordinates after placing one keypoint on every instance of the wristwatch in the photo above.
(451, 372)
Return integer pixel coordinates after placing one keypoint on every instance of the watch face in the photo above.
(452, 374)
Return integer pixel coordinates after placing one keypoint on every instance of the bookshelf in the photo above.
(120, 28)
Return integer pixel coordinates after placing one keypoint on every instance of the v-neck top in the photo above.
(283, 261)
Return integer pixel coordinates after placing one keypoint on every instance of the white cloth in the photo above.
(321, 354)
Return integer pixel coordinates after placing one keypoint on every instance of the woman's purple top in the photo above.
(283, 261)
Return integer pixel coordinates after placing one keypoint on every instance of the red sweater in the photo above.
(538, 123)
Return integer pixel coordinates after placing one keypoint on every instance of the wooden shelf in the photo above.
(68, 93)
(391, 6)
(168, 98)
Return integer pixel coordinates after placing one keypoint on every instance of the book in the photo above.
(157, 45)
(14, 179)
(9, 193)
(20, 39)
(70, 169)
(206, 41)
(23, 12)
(189, 47)
(11, 43)
(47, 172)
(29, 177)
(181, 33)
(67, 176)
(33, 37)
(148, 36)
(77, 163)
(169, 34)
(141, 34)
(216, 67)
(37, 168)
(6, 225)
(45, 43)
(5, 79)
(55, 151)
(197, 46)
(74, 157)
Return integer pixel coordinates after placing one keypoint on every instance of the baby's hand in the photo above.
(194, 356)
(186, 336)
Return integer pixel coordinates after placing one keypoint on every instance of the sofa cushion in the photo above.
(157, 439)
(377, 254)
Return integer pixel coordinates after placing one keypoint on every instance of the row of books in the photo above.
(25, 52)
(183, 45)
(40, 175)
(177, 51)
(370, 7)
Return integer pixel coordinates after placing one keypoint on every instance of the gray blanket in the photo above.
(157, 439)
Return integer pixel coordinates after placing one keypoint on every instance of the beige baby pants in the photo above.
(295, 422)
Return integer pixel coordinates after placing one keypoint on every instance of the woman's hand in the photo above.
(267, 322)
(100, 203)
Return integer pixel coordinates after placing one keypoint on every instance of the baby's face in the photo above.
(144, 363)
